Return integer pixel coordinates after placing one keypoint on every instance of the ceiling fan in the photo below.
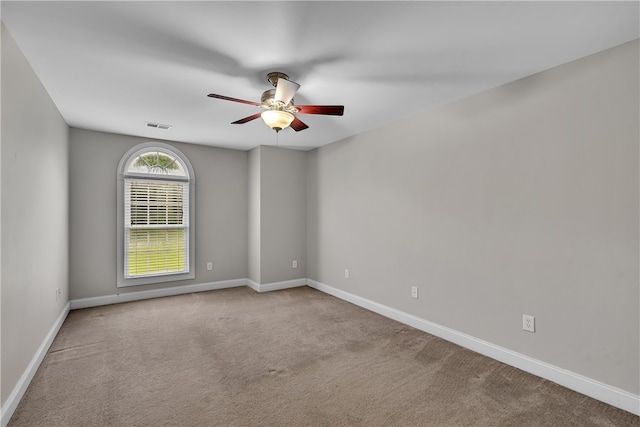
(279, 105)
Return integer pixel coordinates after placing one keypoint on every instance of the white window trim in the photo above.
(174, 152)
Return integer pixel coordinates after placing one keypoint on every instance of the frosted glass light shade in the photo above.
(277, 120)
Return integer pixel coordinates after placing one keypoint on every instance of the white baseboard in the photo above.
(155, 293)
(587, 386)
(185, 289)
(276, 286)
(12, 401)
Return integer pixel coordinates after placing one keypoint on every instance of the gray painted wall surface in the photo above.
(519, 200)
(254, 215)
(283, 215)
(34, 214)
(221, 212)
(277, 214)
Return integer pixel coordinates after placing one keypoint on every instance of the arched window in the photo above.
(155, 216)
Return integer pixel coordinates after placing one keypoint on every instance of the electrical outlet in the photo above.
(58, 293)
(528, 323)
(209, 266)
(414, 292)
(295, 263)
(346, 273)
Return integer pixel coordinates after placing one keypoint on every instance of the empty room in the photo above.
(320, 213)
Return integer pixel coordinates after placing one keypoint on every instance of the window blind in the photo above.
(156, 218)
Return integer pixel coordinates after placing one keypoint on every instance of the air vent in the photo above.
(157, 125)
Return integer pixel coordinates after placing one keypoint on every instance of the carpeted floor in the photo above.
(296, 357)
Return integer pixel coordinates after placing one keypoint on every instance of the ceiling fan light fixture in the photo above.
(277, 119)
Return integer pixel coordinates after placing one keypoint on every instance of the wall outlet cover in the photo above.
(528, 323)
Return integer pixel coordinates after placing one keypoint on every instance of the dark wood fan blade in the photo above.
(330, 110)
(298, 125)
(228, 98)
(246, 119)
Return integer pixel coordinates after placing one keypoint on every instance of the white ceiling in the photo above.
(112, 66)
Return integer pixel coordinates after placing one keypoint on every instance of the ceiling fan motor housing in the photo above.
(274, 76)
(268, 101)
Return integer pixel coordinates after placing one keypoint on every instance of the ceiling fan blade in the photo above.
(285, 90)
(330, 110)
(227, 98)
(246, 119)
(298, 125)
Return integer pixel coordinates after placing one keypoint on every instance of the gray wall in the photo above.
(277, 214)
(254, 215)
(221, 212)
(519, 200)
(283, 214)
(34, 214)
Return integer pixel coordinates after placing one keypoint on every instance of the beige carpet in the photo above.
(288, 358)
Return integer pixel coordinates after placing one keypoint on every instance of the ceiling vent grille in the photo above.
(157, 125)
